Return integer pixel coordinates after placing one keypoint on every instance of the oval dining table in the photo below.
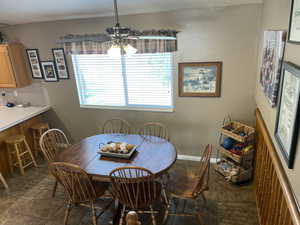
(152, 153)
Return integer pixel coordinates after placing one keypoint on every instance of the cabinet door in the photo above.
(7, 78)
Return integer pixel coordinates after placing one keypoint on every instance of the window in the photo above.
(138, 82)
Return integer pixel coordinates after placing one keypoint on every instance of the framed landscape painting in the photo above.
(273, 51)
(294, 31)
(288, 114)
(200, 79)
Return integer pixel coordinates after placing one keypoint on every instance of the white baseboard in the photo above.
(194, 158)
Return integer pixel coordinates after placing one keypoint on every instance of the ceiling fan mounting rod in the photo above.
(116, 13)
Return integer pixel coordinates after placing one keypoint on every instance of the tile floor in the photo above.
(29, 202)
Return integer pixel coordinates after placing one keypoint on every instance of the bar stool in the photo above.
(3, 181)
(19, 153)
(37, 131)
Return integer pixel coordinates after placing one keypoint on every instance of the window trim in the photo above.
(149, 108)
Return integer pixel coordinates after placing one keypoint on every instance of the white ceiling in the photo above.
(28, 11)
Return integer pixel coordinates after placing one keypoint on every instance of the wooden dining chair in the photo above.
(116, 126)
(155, 129)
(80, 188)
(51, 143)
(136, 189)
(191, 185)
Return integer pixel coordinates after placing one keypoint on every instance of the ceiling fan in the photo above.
(119, 36)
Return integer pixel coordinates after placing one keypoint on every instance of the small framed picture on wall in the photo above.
(49, 71)
(60, 63)
(34, 62)
(294, 31)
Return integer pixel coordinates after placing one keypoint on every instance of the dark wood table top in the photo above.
(153, 153)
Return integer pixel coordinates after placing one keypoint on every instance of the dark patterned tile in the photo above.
(29, 202)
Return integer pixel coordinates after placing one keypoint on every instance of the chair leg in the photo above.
(68, 210)
(10, 160)
(19, 159)
(152, 215)
(203, 198)
(166, 215)
(122, 215)
(197, 213)
(30, 153)
(54, 189)
(3, 181)
(94, 217)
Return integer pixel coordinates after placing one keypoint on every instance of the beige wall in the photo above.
(229, 35)
(276, 16)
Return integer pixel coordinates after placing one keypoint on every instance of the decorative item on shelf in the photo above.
(34, 62)
(49, 71)
(294, 29)
(228, 143)
(201, 79)
(60, 63)
(236, 152)
(273, 51)
(288, 117)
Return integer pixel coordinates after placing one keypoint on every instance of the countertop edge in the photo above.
(42, 110)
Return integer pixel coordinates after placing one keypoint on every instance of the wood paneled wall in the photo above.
(275, 199)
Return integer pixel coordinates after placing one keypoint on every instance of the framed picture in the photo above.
(49, 71)
(200, 79)
(288, 114)
(273, 51)
(34, 62)
(60, 63)
(294, 30)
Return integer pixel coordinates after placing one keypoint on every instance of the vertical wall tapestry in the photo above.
(273, 50)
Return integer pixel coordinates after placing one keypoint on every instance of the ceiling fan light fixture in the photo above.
(129, 50)
(114, 51)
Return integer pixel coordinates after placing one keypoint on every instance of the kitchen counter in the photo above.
(10, 117)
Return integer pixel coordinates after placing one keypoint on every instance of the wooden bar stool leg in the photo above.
(30, 153)
(35, 143)
(18, 152)
(3, 181)
(10, 160)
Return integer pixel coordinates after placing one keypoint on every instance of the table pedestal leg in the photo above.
(117, 212)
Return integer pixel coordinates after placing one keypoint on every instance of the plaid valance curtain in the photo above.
(151, 42)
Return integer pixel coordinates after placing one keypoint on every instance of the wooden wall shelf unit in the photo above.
(276, 201)
(13, 69)
(22, 128)
(236, 167)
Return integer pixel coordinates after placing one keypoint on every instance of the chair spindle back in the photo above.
(75, 180)
(155, 129)
(116, 125)
(134, 187)
(51, 142)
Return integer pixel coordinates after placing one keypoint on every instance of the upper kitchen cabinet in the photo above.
(13, 70)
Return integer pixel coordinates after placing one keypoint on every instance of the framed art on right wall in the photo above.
(294, 30)
(288, 114)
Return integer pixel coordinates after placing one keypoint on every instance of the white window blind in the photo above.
(139, 82)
